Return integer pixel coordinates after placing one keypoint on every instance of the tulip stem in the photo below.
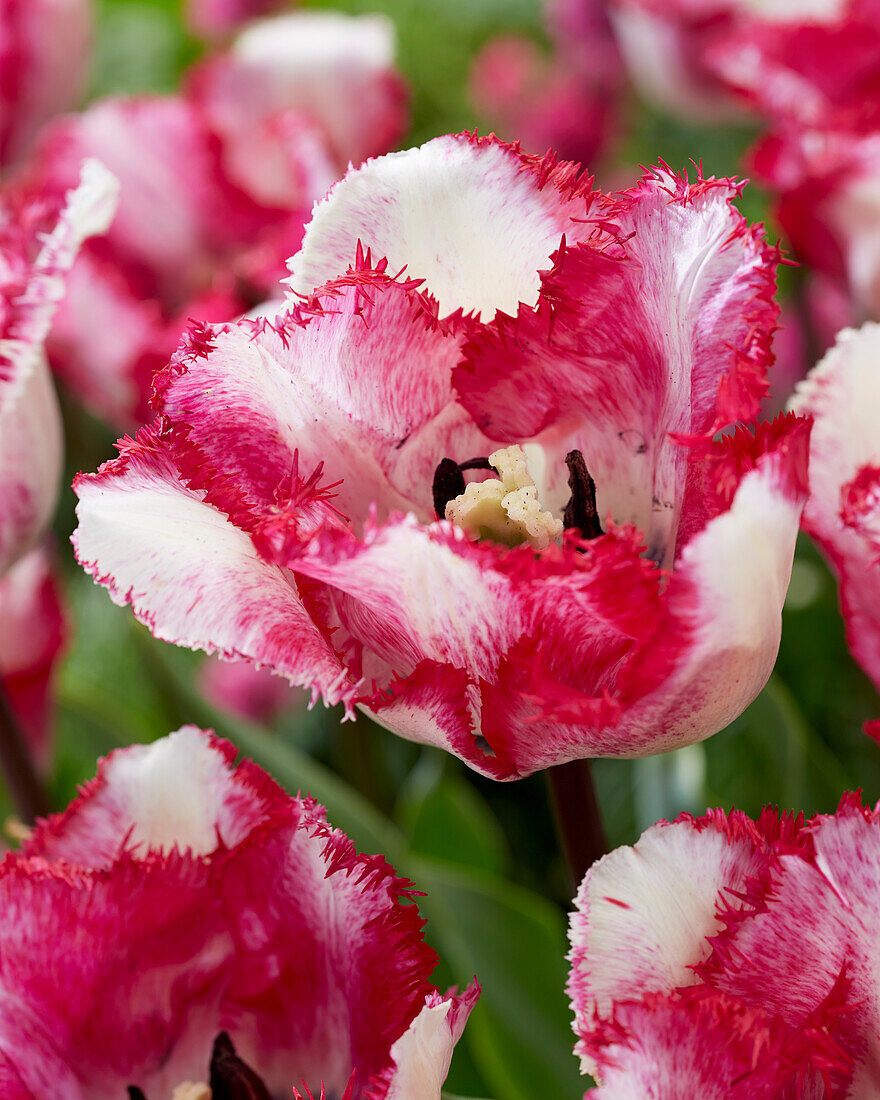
(19, 774)
(577, 817)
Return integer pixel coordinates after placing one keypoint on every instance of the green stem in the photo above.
(577, 817)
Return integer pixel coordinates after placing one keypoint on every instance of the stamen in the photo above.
(134, 1093)
(230, 1077)
(448, 484)
(581, 511)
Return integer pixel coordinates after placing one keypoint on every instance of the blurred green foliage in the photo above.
(484, 852)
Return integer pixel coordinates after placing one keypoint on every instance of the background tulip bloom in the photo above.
(215, 185)
(815, 61)
(32, 634)
(36, 254)
(827, 184)
(44, 58)
(195, 910)
(722, 956)
(288, 507)
(842, 394)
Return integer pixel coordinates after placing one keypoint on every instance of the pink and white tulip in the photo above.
(44, 57)
(216, 184)
(37, 249)
(183, 905)
(814, 62)
(284, 507)
(842, 394)
(725, 957)
(32, 635)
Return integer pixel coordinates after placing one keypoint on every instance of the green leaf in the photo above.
(519, 1035)
(446, 818)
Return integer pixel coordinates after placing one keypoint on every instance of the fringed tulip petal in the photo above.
(714, 1047)
(35, 267)
(633, 340)
(842, 394)
(156, 545)
(473, 217)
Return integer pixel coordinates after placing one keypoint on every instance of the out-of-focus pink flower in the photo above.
(213, 18)
(297, 479)
(215, 186)
(568, 101)
(254, 693)
(44, 57)
(730, 958)
(815, 62)
(789, 360)
(32, 634)
(842, 394)
(182, 906)
(336, 70)
(38, 245)
(828, 203)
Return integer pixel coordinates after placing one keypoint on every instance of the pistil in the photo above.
(505, 509)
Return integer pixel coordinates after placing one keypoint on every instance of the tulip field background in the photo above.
(484, 853)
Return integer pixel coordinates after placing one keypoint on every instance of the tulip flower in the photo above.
(44, 56)
(842, 394)
(185, 922)
(486, 503)
(725, 957)
(36, 251)
(215, 185)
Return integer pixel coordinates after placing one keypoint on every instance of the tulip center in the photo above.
(230, 1079)
(505, 509)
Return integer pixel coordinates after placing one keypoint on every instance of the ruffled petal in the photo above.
(359, 381)
(662, 324)
(191, 574)
(32, 635)
(715, 1047)
(473, 217)
(110, 979)
(815, 925)
(842, 393)
(30, 428)
(423, 1053)
(409, 594)
(178, 794)
(645, 915)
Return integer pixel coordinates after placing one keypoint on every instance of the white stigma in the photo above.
(505, 510)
